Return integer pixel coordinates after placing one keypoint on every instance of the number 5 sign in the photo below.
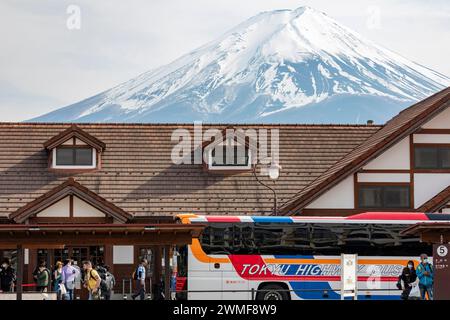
(441, 264)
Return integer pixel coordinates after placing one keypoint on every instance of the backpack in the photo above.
(102, 272)
(135, 274)
(109, 281)
(103, 286)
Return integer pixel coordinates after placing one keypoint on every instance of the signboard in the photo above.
(441, 263)
(349, 281)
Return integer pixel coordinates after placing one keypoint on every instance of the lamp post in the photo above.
(274, 173)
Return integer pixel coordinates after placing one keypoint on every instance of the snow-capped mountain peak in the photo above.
(276, 66)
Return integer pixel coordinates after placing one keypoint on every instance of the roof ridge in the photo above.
(188, 124)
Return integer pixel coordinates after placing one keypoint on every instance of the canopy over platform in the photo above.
(28, 236)
(432, 232)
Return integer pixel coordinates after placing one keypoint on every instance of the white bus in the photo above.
(290, 258)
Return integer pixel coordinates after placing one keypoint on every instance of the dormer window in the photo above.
(74, 149)
(229, 155)
(74, 157)
(231, 152)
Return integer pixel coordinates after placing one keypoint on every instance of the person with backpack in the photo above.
(42, 277)
(68, 276)
(139, 277)
(7, 276)
(408, 277)
(92, 280)
(425, 273)
(108, 282)
(101, 270)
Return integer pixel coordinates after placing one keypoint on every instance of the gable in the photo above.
(71, 141)
(82, 203)
(70, 206)
(74, 135)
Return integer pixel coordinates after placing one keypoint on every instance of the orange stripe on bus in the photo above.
(201, 256)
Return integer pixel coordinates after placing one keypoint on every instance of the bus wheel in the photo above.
(272, 292)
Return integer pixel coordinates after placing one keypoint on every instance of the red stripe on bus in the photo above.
(223, 219)
(389, 216)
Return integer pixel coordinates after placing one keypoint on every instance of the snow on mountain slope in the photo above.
(275, 67)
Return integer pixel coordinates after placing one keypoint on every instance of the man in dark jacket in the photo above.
(408, 276)
(7, 276)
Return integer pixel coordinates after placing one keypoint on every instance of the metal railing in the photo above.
(128, 283)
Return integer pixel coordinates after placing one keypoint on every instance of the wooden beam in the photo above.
(61, 239)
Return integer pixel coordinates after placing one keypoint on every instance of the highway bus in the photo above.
(296, 257)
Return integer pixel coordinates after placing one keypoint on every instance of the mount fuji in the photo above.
(284, 66)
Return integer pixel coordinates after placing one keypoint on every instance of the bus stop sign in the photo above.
(441, 263)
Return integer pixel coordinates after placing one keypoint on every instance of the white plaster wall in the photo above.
(446, 210)
(83, 209)
(78, 142)
(123, 254)
(396, 157)
(340, 196)
(441, 121)
(383, 177)
(58, 209)
(427, 185)
(432, 138)
(70, 142)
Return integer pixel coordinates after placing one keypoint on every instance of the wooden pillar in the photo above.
(32, 263)
(108, 258)
(157, 271)
(167, 273)
(20, 263)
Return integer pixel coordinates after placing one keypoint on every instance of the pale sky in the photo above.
(44, 65)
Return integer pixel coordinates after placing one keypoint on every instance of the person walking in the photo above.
(57, 279)
(68, 276)
(425, 274)
(7, 276)
(42, 277)
(92, 280)
(139, 276)
(79, 276)
(108, 283)
(408, 277)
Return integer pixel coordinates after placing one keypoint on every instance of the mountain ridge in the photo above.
(278, 64)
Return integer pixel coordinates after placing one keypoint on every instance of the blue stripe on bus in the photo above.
(272, 219)
(300, 289)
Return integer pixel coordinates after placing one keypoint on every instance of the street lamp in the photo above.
(274, 173)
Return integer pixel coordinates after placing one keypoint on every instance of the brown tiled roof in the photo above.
(399, 127)
(137, 174)
(437, 202)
